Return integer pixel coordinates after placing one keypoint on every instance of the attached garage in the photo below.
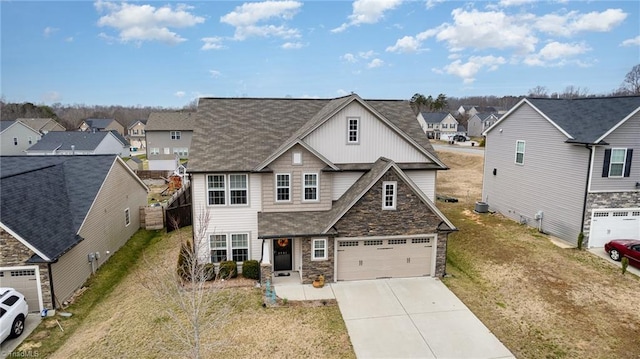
(384, 258)
(25, 279)
(614, 224)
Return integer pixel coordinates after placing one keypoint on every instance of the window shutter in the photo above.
(607, 160)
(627, 163)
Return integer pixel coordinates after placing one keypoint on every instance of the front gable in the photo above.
(374, 137)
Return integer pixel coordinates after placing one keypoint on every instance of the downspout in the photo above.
(586, 188)
(53, 295)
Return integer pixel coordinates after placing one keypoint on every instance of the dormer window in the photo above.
(353, 130)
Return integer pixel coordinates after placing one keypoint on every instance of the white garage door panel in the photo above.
(23, 280)
(370, 259)
(614, 224)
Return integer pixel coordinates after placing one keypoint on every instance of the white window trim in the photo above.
(275, 193)
(624, 162)
(226, 189)
(228, 237)
(127, 217)
(155, 150)
(296, 158)
(317, 187)
(357, 131)
(226, 248)
(384, 195)
(325, 249)
(175, 135)
(524, 146)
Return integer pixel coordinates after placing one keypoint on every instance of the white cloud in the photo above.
(467, 71)
(375, 63)
(48, 31)
(507, 3)
(212, 43)
(431, 3)
(631, 42)
(342, 92)
(180, 94)
(367, 12)
(556, 54)
(573, 22)
(292, 45)
(348, 57)
(245, 19)
(215, 73)
(405, 45)
(362, 55)
(51, 97)
(140, 23)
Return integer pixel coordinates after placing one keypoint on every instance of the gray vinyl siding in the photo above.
(283, 164)
(103, 230)
(552, 179)
(22, 133)
(625, 136)
(162, 139)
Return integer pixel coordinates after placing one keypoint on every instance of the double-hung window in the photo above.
(127, 217)
(283, 187)
(229, 246)
(176, 135)
(520, 152)
(240, 247)
(155, 150)
(216, 190)
(310, 186)
(218, 245)
(389, 194)
(234, 191)
(353, 130)
(319, 249)
(238, 189)
(617, 158)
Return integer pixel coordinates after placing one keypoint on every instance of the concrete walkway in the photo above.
(405, 318)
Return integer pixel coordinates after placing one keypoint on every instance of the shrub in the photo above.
(209, 272)
(184, 258)
(251, 269)
(625, 264)
(482, 142)
(228, 269)
(580, 240)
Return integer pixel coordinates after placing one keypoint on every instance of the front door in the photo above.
(281, 254)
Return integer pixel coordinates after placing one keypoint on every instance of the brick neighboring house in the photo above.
(343, 187)
(568, 166)
(168, 139)
(61, 218)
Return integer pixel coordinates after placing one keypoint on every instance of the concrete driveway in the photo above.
(412, 318)
(9, 345)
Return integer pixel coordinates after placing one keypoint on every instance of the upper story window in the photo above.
(296, 158)
(429, 125)
(127, 217)
(283, 187)
(235, 191)
(617, 162)
(353, 130)
(176, 135)
(520, 152)
(389, 194)
(444, 125)
(310, 185)
(30, 140)
(15, 141)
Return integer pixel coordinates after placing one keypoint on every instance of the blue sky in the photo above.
(168, 53)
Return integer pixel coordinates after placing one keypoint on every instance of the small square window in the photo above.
(297, 158)
(319, 249)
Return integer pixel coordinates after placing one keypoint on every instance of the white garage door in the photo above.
(614, 224)
(384, 258)
(24, 280)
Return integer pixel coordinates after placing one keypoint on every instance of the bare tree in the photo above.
(538, 91)
(187, 297)
(632, 81)
(574, 92)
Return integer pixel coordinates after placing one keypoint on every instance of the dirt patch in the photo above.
(541, 301)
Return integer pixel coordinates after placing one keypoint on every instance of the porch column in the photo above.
(266, 251)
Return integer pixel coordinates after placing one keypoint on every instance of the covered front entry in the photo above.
(614, 224)
(384, 258)
(24, 279)
(282, 258)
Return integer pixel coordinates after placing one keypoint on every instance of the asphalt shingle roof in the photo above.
(434, 117)
(39, 124)
(587, 119)
(5, 124)
(238, 134)
(170, 121)
(83, 141)
(99, 123)
(45, 199)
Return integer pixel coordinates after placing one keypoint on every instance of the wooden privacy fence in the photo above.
(152, 217)
(178, 212)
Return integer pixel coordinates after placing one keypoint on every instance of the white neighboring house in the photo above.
(81, 143)
(341, 187)
(438, 125)
(16, 137)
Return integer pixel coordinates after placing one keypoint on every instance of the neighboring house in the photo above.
(168, 139)
(341, 187)
(42, 125)
(16, 137)
(101, 124)
(461, 130)
(471, 111)
(134, 163)
(480, 122)
(81, 143)
(438, 125)
(568, 166)
(61, 218)
(136, 135)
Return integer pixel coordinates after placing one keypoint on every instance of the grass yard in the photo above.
(540, 300)
(125, 320)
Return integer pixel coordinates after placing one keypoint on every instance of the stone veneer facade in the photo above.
(311, 269)
(608, 200)
(14, 253)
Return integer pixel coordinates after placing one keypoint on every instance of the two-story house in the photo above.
(479, 122)
(136, 136)
(168, 139)
(81, 143)
(16, 137)
(101, 124)
(43, 125)
(341, 187)
(438, 125)
(567, 166)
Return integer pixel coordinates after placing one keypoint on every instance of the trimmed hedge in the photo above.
(251, 269)
(228, 269)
